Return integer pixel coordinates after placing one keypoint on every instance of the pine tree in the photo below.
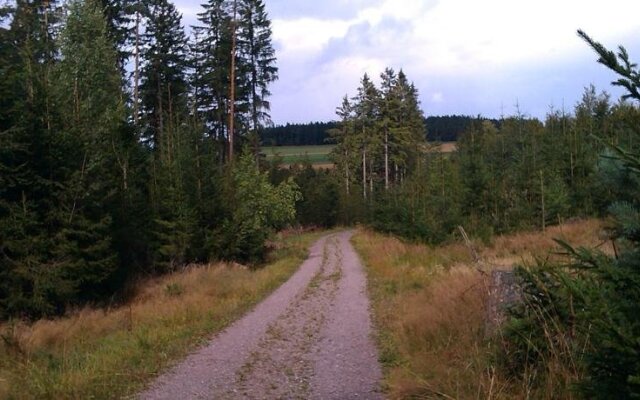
(211, 63)
(410, 132)
(346, 147)
(164, 85)
(118, 15)
(164, 99)
(389, 116)
(92, 114)
(258, 58)
(27, 160)
(366, 116)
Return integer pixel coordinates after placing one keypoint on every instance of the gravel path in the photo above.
(309, 339)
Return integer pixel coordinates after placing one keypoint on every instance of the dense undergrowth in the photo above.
(111, 353)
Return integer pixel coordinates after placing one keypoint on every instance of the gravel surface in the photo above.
(310, 339)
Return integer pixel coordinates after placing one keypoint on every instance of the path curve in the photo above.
(311, 338)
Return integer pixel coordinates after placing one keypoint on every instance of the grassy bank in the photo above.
(429, 308)
(95, 353)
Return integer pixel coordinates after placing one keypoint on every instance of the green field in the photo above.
(297, 154)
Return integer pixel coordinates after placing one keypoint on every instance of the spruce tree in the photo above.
(258, 60)
(390, 104)
(28, 161)
(366, 111)
(163, 89)
(410, 132)
(344, 153)
(164, 98)
(118, 16)
(92, 114)
(211, 63)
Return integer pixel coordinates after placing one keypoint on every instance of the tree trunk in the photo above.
(371, 176)
(544, 222)
(232, 96)
(386, 160)
(397, 176)
(136, 73)
(160, 116)
(346, 167)
(364, 172)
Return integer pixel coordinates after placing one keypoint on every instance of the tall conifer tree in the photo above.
(258, 61)
(163, 88)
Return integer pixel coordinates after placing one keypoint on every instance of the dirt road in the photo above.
(311, 339)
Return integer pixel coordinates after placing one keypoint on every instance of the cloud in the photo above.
(478, 55)
(305, 36)
(437, 97)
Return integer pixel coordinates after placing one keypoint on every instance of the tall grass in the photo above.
(98, 353)
(429, 307)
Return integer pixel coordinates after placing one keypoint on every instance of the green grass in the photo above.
(110, 354)
(298, 154)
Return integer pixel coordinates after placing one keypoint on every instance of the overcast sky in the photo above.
(465, 56)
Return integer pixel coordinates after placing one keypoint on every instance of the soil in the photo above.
(311, 339)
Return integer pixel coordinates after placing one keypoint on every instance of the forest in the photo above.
(129, 149)
(445, 128)
(117, 146)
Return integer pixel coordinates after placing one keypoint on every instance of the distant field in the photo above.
(298, 154)
(447, 147)
(318, 156)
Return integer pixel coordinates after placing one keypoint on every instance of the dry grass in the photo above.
(525, 246)
(429, 306)
(447, 147)
(95, 353)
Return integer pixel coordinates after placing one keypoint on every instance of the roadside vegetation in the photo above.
(429, 306)
(114, 352)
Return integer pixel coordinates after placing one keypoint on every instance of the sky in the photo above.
(470, 57)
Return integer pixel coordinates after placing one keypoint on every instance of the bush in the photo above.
(258, 208)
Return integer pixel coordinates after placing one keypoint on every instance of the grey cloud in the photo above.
(363, 39)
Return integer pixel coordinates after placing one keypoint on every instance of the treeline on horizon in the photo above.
(447, 128)
(518, 174)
